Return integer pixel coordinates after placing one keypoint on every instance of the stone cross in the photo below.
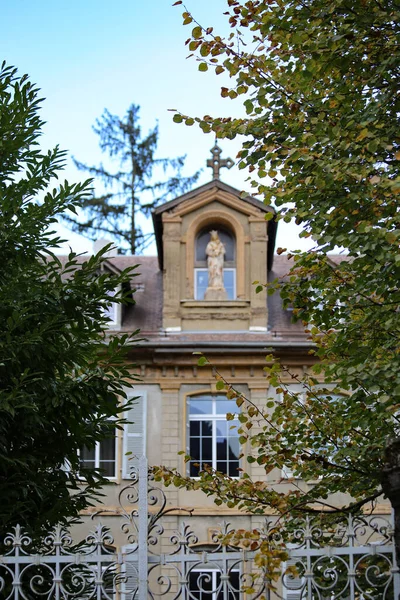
(216, 163)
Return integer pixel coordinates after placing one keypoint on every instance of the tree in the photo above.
(320, 84)
(61, 382)
(133, 190)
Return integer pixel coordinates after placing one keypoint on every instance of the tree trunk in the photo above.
(391, 487)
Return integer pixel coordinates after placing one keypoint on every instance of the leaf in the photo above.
(197, 32)
(202, 361)
(203, 66)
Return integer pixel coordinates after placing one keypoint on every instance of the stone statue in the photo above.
(215, 251)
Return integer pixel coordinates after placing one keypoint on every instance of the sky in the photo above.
(88, 55)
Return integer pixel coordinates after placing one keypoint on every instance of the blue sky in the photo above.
(88, 55)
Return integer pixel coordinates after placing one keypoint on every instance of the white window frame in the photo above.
(214, 417)
(97, 457)
(226, 269)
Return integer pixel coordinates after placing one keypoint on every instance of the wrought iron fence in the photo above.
(355, 562)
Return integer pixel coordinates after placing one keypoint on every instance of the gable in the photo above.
(204, 199)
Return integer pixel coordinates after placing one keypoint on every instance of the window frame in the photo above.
(97, 448)
(214, 417)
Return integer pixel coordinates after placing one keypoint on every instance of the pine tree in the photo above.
(129, 190)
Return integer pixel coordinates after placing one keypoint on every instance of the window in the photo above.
(301, 393)
(112, 311)
(200, 267)
(212, 440)
(206, 584)
(103, 456)
(201, 283)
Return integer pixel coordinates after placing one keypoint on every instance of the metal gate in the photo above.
(356, 561)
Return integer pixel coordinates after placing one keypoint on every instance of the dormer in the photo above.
(183, 230)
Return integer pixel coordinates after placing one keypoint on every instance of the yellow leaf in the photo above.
(197, 32)
(362, 135)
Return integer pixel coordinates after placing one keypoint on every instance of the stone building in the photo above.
(179, 407)
(198, 295)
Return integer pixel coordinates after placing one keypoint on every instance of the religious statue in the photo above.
(215, 251)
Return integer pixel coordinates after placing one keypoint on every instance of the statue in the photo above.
(215, 251)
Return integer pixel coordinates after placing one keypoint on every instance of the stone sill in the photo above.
(215, 303)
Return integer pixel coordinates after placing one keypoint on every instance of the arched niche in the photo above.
(212, 220)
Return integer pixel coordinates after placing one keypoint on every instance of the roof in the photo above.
(146, 313)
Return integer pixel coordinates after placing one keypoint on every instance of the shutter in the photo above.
(292, 587)
(187, 466)
(129, 572)
(134, 435)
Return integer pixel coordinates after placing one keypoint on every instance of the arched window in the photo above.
(212, 440)
(200, 265)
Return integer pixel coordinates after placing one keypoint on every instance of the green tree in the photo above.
(61, 383)
(320, 84)
(132, 187)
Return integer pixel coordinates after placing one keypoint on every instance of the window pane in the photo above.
(88, 455)
(222, 466)
(107, 449)
(206, 429)
(229, 283)
(222, 428)
(201, 405)
(194, 450)
(107, 456)
(107, 468)
(224, 406)
(206, 450)
(201, 283)
(233, 469)
(194, 428)
(234, 448)
(221, 448)
(194, 468)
